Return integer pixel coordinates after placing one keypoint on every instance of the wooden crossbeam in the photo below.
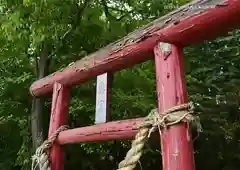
(197, 21)
(115, 130)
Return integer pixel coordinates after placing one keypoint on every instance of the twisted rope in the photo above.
(41, 157)
(177, 114)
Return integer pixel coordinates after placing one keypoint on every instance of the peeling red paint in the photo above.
(115, 130)
(194, 25)
(181, 28)
(59, 114)
(177, 150)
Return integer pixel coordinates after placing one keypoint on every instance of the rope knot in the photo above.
(41, 157)
(177, 114)
(174, 115)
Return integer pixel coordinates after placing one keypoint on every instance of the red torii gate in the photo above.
(163, 38)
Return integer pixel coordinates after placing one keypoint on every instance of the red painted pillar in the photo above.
(176, 144)
(59, 114)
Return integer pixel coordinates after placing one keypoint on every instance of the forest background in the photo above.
(38, 37)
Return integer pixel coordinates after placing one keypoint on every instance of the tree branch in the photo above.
(74, 24)
(108, 14)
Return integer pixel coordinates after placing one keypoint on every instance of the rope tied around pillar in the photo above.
(175, 115)
(154, 121)
(41, 157)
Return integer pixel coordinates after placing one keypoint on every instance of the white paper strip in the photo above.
(101, 99)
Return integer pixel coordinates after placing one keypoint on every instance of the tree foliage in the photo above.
(71, 29)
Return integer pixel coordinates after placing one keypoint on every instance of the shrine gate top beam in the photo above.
(192, 23)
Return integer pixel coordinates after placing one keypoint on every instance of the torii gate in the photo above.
(163, 38)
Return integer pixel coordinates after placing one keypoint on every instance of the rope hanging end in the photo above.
(41, 157)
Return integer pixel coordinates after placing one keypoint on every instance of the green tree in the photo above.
(38, 37)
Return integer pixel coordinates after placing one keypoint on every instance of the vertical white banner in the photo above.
(101, 98)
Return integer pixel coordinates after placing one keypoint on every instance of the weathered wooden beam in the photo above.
(176, 142)
(197, 21)
(115, 130)
(59, 117)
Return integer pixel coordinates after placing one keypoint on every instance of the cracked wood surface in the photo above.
(115, 130)
(192, 23)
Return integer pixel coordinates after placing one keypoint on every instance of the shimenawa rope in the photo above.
(41, 157)
(177, 114)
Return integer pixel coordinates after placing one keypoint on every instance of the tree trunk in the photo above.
(37, 103)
